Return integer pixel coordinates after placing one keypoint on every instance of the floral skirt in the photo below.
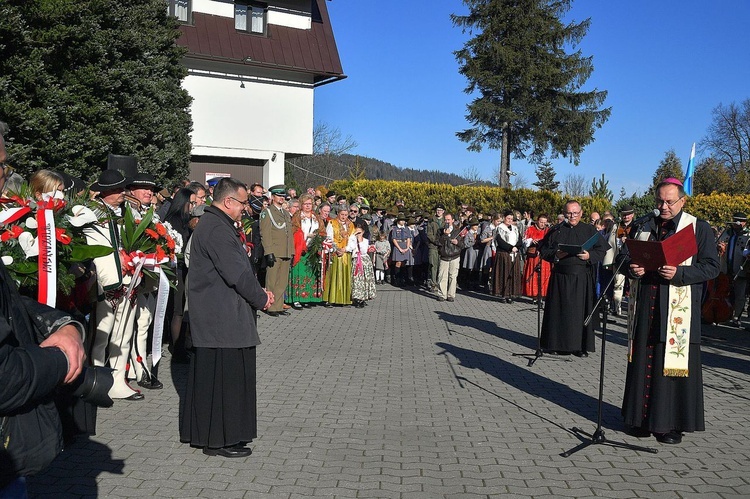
(305, 285)
(363, 281)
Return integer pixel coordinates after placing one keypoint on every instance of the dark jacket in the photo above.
(449, 251)
(222, 288)
(29, 377)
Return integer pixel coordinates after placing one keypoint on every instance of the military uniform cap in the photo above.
(279, 190)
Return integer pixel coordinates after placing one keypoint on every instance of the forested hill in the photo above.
(321, 169)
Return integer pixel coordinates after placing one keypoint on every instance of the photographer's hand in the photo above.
(69, 341)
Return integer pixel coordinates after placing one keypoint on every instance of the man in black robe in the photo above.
(571, 293)
(658, 398)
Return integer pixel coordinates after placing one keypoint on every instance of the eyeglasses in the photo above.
(245, 202)
(353, 211)
(573, 213)
(662, 202)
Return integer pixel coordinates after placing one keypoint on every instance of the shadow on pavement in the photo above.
(534, 384)
(489, 327)
(74, 472)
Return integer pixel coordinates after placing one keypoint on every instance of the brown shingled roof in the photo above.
(310, 51)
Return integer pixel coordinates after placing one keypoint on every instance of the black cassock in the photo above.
(652, 401)
(571, 294)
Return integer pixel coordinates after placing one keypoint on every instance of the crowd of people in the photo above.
(247, 249)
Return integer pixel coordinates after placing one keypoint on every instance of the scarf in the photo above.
(509, 235)
(677, 349)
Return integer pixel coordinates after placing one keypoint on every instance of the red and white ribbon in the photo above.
(47, 257)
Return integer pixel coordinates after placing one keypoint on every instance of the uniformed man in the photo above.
(278, 245)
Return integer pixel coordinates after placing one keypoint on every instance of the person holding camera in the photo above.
(40, 349)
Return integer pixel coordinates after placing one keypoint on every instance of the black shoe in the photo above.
(234, 451)
(285, 312)
(672, 438)
(581, 353)
(450, 298)
(637, 431)
(306, 305)
(327, 305)
(440, 298)
(135, 396)
(509, 300)
(297, 305)
(272, 314)
(150, 383)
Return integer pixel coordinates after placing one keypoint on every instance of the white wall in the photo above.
(250, 122)
(279, 16)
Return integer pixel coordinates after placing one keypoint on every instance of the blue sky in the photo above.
(665, 63)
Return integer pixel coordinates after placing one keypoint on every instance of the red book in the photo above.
(672, 251)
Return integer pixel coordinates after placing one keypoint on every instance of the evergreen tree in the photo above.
(546, 175)
(80, 79)
(528, 87)
(713, 176)
(670, 166)
(600, 189)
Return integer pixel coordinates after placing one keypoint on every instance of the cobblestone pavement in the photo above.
(410, 398)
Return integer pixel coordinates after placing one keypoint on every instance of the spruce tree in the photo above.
(670, 166)
(546, 177)
(528, 87)
(80, 79)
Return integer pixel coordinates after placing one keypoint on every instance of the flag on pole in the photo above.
(689, 173)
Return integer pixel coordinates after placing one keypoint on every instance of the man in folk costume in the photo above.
(664, 383)
(142, 189)
(277, 237)
(571, 292)
(115, 310)
(620, 235)
(733, 253)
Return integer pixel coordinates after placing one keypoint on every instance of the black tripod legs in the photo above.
(598, 438)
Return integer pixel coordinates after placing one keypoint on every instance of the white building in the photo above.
(252, 70)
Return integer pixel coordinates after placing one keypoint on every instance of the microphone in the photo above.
(559, 225)
(645, 218)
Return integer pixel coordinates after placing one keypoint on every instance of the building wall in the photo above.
(259, 122)
(294, 14)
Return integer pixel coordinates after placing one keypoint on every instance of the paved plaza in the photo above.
(415, 398)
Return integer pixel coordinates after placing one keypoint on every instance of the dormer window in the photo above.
(180, 9)
(250, 17)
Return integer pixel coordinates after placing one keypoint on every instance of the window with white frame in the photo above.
(250, 17)
(181, 9)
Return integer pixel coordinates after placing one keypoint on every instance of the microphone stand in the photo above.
(597, 437)
(539, 353)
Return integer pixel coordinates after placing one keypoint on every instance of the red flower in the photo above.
(160, 254)
(61, 236)
(161, 230)
(671, 341)
(12, 233)
(152, 234)
(170, 244)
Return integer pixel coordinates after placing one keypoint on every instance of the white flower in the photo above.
(31, 223)
(29, 244)
(81, 216)
(7, 260)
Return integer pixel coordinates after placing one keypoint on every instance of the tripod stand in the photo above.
(597, 437)
(538, 354)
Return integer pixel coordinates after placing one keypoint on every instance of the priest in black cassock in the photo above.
(571, 294)
(664, 383)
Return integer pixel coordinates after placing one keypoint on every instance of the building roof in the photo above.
(311, 51)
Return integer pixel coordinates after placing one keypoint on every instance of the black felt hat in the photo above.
(110, 180)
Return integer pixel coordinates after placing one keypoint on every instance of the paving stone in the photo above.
(431, 404)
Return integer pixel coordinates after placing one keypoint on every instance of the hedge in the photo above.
(716, 208)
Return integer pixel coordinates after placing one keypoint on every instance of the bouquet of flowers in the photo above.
(148, 243)
(43, 239)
